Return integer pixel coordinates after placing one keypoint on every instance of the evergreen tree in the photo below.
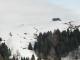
(63, 42)
(5, 53)
(33, 57)
(30, 46)
(22, 58)
(0, 39)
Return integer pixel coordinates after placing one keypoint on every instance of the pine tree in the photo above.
(0, 39)
(5, 53)
(30, 46)
(33, 57)
(22, 58)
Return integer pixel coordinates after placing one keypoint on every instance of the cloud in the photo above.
(32, 12)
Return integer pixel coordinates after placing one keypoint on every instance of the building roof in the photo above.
(56, 19)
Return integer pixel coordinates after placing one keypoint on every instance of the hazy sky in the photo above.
(71, 4)
(38, 11)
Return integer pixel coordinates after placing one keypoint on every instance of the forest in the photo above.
(53, 45)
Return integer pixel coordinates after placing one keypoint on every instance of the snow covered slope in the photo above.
(18, 37)
(21, 20)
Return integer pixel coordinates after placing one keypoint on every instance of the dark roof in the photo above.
(56, 19)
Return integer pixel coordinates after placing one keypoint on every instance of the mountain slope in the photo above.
(18, 37)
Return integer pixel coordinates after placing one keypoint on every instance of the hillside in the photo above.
(18, 37)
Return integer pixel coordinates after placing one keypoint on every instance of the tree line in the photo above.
(53, 45)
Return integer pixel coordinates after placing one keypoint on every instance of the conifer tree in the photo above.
(0, 39)
(30, 46)
(33, 57)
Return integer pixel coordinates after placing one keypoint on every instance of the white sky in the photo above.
(72, 4)
(35, 11)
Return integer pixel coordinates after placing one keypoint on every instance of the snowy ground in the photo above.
(17, 37)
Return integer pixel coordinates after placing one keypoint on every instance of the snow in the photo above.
(15, 38)
(18, 40)
(32, 17)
